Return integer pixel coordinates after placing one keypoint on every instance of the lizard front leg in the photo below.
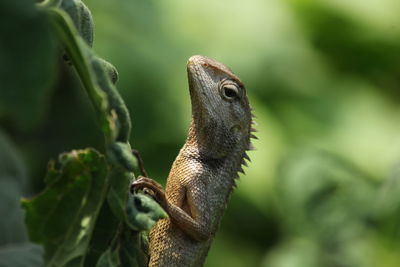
(196, 222)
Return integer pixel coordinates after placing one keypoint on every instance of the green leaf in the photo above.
(104, 75)
(28, 62)
(81, 56)
(110, 70)
(143, 212)
(120, 154)
(81, 17)
(63, 217)
(97, 78)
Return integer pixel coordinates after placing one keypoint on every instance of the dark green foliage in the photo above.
(22, 255)
(26, 43)
(15, 248)
(82, 213)
(73, 221)
(63, 217)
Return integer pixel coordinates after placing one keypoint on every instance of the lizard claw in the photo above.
(143, 182)
(150, 187)
(149, 192)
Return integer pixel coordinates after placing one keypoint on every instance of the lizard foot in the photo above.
(151, 188)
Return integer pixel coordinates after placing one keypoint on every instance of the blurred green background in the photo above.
(323, 187)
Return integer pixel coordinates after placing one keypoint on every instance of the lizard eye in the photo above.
(229, 90)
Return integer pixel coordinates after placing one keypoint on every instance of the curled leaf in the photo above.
(143, 212)
(81, 17)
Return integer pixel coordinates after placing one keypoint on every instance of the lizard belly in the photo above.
(170, 247)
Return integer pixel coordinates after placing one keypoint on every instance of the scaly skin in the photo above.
(203, 175)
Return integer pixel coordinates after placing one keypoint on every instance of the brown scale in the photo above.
(203, 174)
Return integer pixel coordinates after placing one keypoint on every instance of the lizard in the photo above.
(203, 175)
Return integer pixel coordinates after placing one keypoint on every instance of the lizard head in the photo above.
(220, 108)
